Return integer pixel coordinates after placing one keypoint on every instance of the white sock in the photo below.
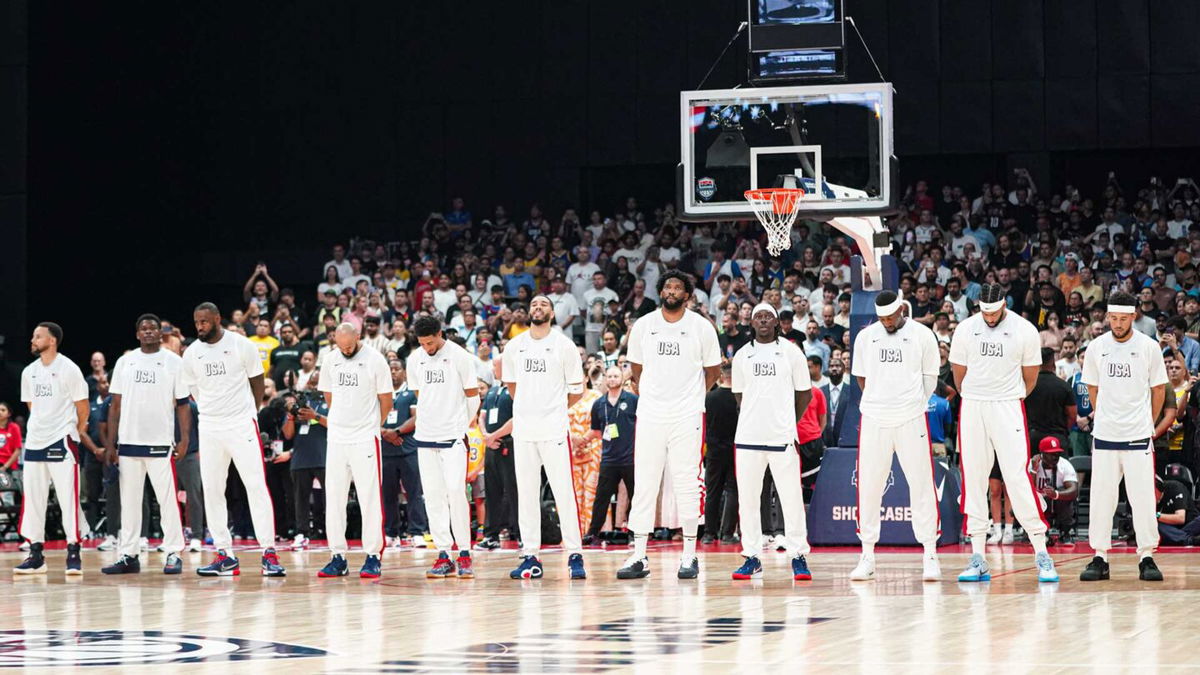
(639, 545)
(868, 550)
(1144, 556)
(1038, 541)
(1008, 528)
(1103, 555)
(978, 544)
(689, 547)
(930, 550)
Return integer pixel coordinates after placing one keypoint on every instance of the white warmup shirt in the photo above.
(51, 392)
(356, 383)
(994, 356)
(895, 365)
(1124, 372)
(565, 307)
(440, 381)
(219, 377)
(150, 386)
(545, 371)
(673, 358)
(768, 377)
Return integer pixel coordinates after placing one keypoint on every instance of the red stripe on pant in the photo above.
(937, 502)
(263, 454)
(174, 499)
(857, 482)
(574, 492)
(700, 469)
(1037, 502)
(962, 472)
(77, 506)
(379, 485)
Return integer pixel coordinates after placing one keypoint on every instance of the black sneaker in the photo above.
(34, 563)
(689, 569)
(125, 565)
(487, 544)
(636, 569)
(74, 563)
(1067, 539)
(1148, 571)
(1097, 570)
(707, 538)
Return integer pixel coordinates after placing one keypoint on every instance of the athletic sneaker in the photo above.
(336, 567)
(109, 544)
(144, 544)
(371, 569)
(635, 568)
(932, 569)
(800, 569)
(1096, 570)
(74, 562)
(270, 564)
(995, 532)
(34, 563)
(126, 564)
(300, 541)
(575, 565)
(780, 543)
(1007, 538)
(1045, 565)
(487, 544)
(194, 546)
(442, 568)
(977, 569)
(1148, 571)
(221, 566)
(689, 568)
(465, 569)
(173, 564)
(530, 568)
(864, 570)
(423, 541)
(751, 569)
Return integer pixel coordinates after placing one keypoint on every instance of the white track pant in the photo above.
(675, 446)
(1137, 467)
(529, 457)
(749, 468)
(240, 443)
(996, 429)
(37, 478)
(910, 442)
(444, 483)
(360, 463)
(133, 473)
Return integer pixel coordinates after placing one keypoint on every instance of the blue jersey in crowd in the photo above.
(1083, 403)
(937, 413)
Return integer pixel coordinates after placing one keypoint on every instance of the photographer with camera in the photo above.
(306, 425)
(271, 418)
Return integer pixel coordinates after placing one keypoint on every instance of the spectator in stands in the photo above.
(720, 486)
(1057, 485)
(339, 261)
(10, 440)
(1178, 519)
(1174, 337)
(595, 303)
(306, 427)
(260, 289)
(499, 474)
(612, 423)
(940, 419)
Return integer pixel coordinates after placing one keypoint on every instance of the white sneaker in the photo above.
(865, 570)
(994, 534)
(194, 546)
(1007, 539)
(300, 541)
(425, 541)
(109, 544)
(780, 543)
(933, 570)
(144, 544)
(24, 546)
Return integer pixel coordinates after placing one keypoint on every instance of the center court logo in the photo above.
(74, 649)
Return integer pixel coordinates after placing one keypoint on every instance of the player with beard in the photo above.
(544, 376)
(675, 359)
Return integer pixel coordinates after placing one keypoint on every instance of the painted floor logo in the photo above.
(74, 649)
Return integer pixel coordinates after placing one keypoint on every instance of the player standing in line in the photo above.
(148, 399)
(57, 396)
(675, 360)
(357, 384)
(1126, 382)
(995, 356)
(225, 374)
(542, 370)
(766, 373)
(442, 375)
(896, 362)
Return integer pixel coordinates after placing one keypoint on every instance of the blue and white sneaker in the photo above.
(530, 568)
(977, 570)
(800, 569)
(371, 568)
(575, 565)
(74, 562)
(751, 569)
(336, 567)
(173, 564)
(221, 566)
(689, 568)
(270, 564)
(1045, 565)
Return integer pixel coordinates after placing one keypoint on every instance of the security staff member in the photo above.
(499, 469)
(308, 430)
(721, 418)
(400, 467)
(613, 417)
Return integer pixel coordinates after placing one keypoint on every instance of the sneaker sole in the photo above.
(630, 575)
(1143, 578)
(226, 573)
(268, 573)
(115, 572)
(869, 577)
(468, 575)
(434, 575)
(367, 575)
(982, 577)
(322, 575)
(74, 573)
(37, 570)
(578, 577)
(801, 577)
(173, 572)
(687, 576)
(747, 577)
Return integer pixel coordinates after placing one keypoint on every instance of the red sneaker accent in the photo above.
(802, 577)
(464, 568)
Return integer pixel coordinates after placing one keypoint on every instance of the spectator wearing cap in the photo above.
(1057, 485)
(1178, 519)
(1050, 407)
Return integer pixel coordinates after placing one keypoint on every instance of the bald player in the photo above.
(896, 362)
(995, 356)
(544, 376)
(1126, 381)
(357, 384)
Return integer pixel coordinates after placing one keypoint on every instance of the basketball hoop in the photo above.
(776, 209)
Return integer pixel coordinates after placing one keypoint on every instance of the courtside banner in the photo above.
(832, 515)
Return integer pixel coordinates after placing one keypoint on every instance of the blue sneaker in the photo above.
(800, 569)
(575, 564)
(173, 564)
(442, 568)
(336, 567)
(1045, 565)
(74, 562)
(126, 564)
(221, 566)
(530, 568)
(977, 570)
(751, 569)
(35, 563)
(270, 564)
(371, 568)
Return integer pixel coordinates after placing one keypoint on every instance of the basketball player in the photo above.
(225, 374)
(1126, 381)
(542, 370)
(896, 362)
(675, 360)
(148, 398)
(442, 375)
(57, 396)
(766, 373)
(995, 356)
(357, 384)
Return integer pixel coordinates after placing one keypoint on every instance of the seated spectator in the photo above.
(1057, 485)
(1178, 520)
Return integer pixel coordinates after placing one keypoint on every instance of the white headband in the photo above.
(1122, 309)
(992, 306)
(891, 308)
(762, 306)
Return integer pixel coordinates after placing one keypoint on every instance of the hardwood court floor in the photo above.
(405, 623)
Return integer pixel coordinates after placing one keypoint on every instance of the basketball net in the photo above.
(776, 209)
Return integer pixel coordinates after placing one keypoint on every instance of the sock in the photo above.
(1008, 528)
(689, 547)
(868, 550)
(1038, 541)
(639, 545)
(1143, 556)
(1103, 555)
(930, 550)
(978, 544)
